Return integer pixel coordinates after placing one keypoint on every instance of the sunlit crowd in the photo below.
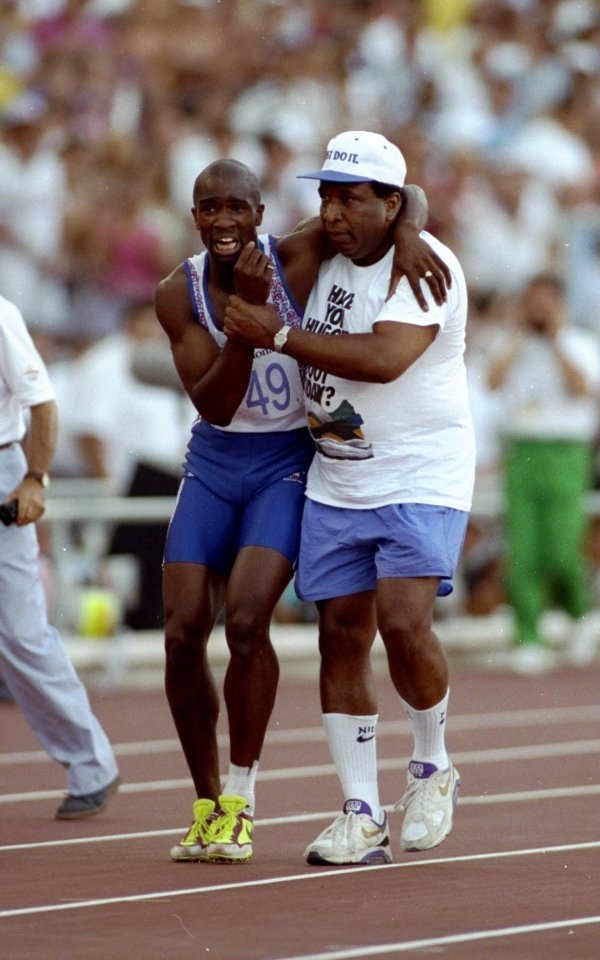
(110, 108)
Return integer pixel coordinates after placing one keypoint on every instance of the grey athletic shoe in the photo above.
(73, 808)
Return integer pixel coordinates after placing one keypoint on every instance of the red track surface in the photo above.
(518, 876)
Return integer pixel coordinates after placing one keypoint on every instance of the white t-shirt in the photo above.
(409, 441)
(24, 380)
(534, 400)
(32, 203)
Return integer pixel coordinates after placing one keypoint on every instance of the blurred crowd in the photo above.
(110, 108)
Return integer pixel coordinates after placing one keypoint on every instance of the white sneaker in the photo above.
(532, 660)
(582, 646)
(428, 805)
(353, 837)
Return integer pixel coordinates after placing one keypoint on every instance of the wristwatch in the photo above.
(42, 478)
(280, 338)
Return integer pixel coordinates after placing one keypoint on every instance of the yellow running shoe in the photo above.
(193, 845)
(230, 836)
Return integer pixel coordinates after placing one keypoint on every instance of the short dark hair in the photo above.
(383, 190)
(234, 167)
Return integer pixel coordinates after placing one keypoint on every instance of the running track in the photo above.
(518, 877)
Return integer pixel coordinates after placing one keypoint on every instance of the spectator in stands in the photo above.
(547, 374)
(134, 436)
(32, 202)
(119, 235)
(508, 226)
(126, 69)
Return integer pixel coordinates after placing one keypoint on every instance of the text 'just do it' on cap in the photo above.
(358, 156)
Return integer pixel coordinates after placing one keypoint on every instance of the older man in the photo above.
(388, 492)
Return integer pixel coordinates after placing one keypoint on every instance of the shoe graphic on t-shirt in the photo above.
(338, 435)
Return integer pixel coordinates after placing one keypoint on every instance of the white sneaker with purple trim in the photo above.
(353, 837)
(428, 804)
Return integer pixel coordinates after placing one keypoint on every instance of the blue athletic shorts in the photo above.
(239, 490)
(346, 551)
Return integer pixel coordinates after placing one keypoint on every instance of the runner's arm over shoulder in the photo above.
(413, 257)
(302, 251)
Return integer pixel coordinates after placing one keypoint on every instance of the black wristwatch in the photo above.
(42, 478)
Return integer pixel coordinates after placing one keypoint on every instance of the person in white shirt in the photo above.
(388, 492)
(33, 187)
(33, 661)
(132, 435)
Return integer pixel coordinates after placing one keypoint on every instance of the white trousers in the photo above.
(33, 660)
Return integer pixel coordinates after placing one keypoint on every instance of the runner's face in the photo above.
(357, 222)
(226, 214)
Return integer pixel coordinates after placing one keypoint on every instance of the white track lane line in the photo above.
(435, 943)
(519, 796)
(536, 751)
(504, 719)
(320, 875)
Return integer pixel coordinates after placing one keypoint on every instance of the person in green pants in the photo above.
(547, 378)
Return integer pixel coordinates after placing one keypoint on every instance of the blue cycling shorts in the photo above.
(239, 490)
(343, 551)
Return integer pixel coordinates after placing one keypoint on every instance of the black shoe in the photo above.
(72, 808)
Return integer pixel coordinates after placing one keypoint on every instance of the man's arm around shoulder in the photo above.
(376, 357)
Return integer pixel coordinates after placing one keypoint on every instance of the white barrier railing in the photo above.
(108, 509)
(92, 504)
(80, 516)
(87, 504)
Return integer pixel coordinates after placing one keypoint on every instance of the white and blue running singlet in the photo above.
(243, 485)
(275, 396)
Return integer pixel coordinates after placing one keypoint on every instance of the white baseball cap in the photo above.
(358, 156)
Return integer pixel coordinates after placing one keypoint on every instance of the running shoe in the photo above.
(428, 804)
(194, 845)
(74, 807)
(353, 837)
(338, 434)
(230, 837)
(532, 660)
(583, 645)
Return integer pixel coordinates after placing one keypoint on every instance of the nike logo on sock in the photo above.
(365, 733)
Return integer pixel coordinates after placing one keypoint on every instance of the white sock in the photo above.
(240, 782)
(353, 745)
(428, 729)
